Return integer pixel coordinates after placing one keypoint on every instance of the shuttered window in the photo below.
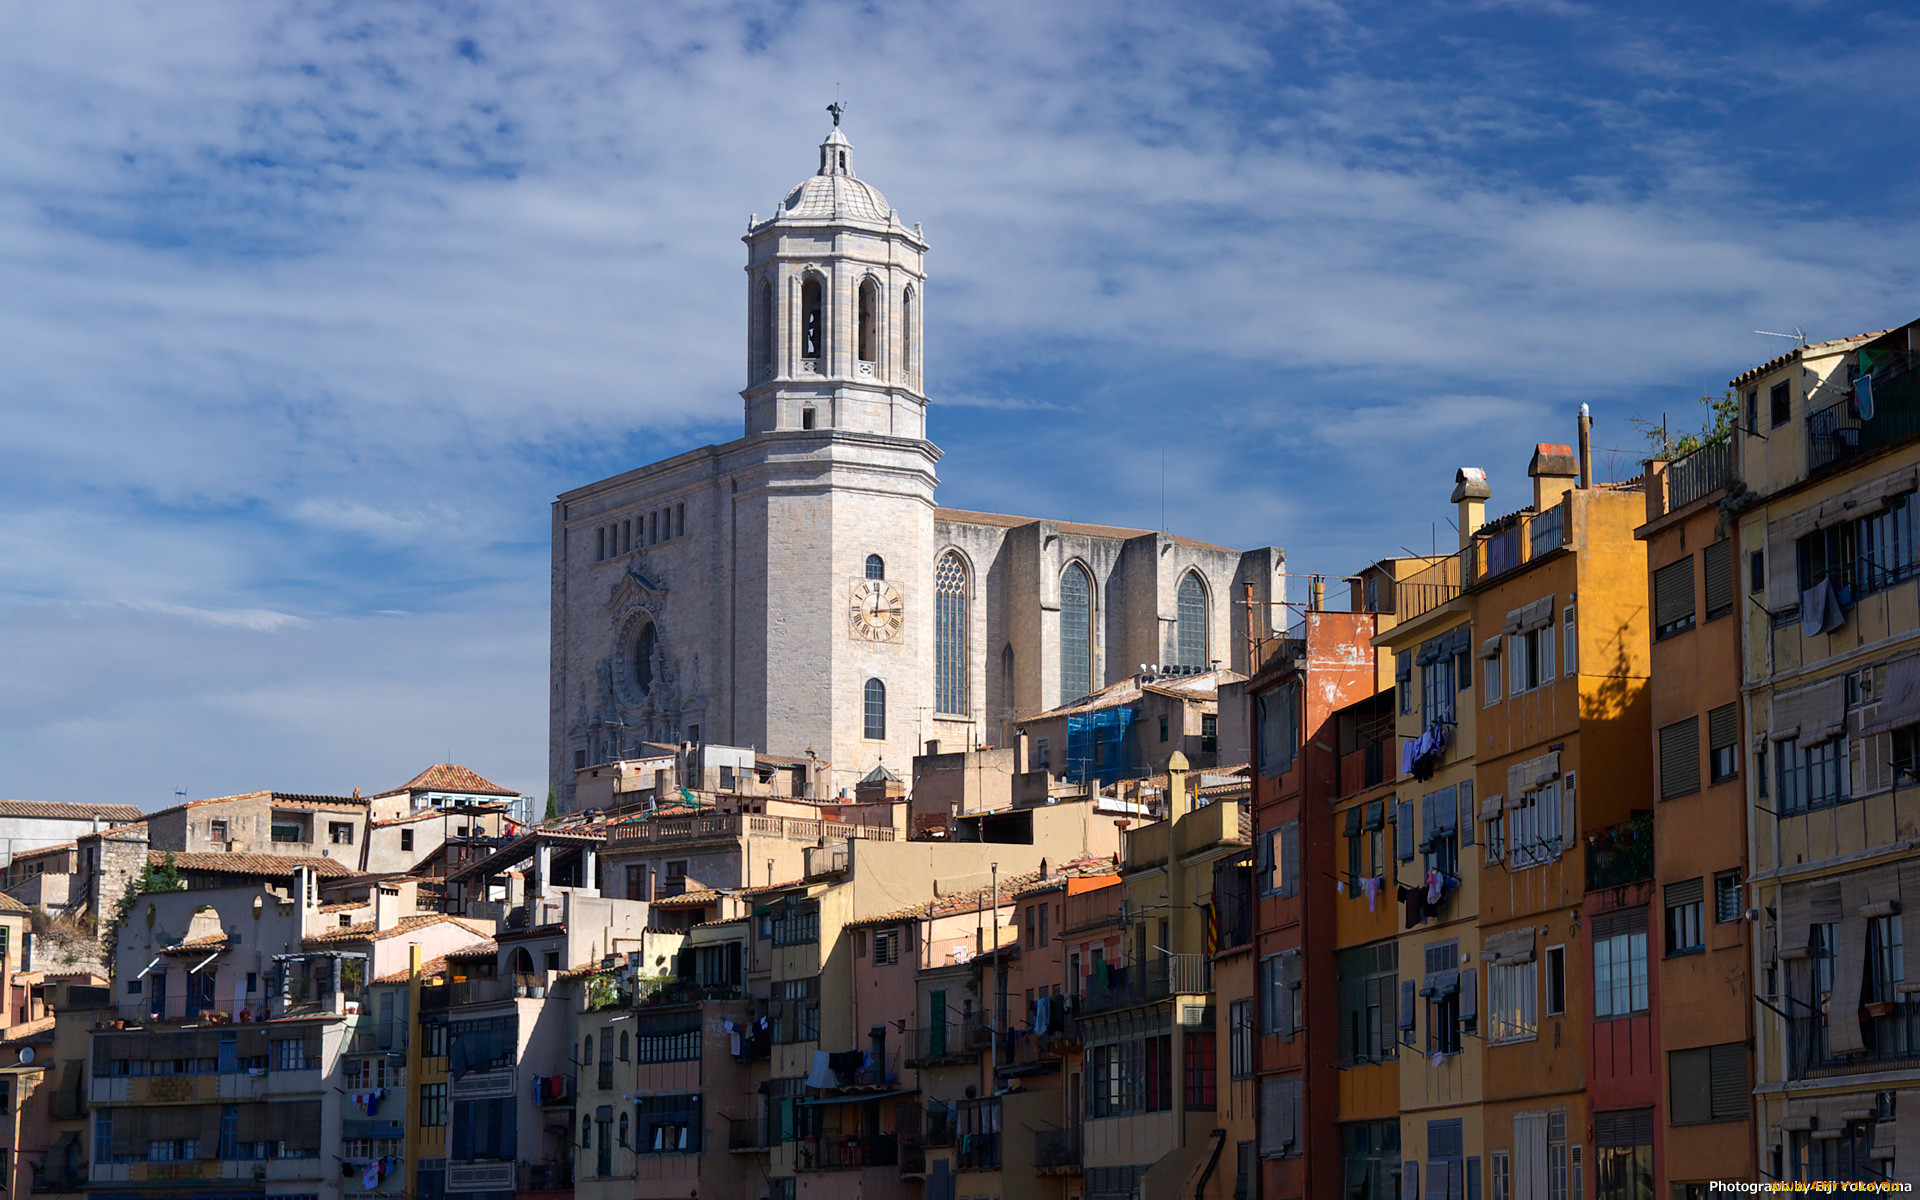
(1716, 563)
(1633, 1127)
(1680, 758)
(1280, 1117)
(1673, 598)
(1723, 743)
(1685, 931)
(1708, 1084)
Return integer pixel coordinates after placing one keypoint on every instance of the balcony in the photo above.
(747, 1135)
(1891, 1032)
(1620, 854)
(564, 1097)
(1698, 474)
(1433, 586)
(737, 825)
(543, 1177)
(946, 1045)
(1057, 1151)
(371, 1037)
(848, 1152)
(978, 1152)
(1515, 540)
(1090, 909)
(1168, 975)
(1838, 432)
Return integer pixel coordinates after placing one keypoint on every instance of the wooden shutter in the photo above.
(1844, 1035)
(1716, 563)
(1290, 858)
(1470, 995)
(1673, 596)
(1410, 1180)
(1727, 1070)
(1689, 1085)
(1680, 758)
(129, 1131)
(302, 1128)
(1723, 727)
(1408, 1005)
(1403, 838)
(1467, 821)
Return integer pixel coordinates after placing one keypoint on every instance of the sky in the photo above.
(308, 310)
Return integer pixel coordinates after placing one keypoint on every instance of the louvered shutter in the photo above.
(1407, 1005)
(1716, 563)
(1290, 858)
(1844, 1035)
(1352, 827)
(1470, 995)
(1410, 1180)
(1689, 1085)
(1680, 758)
(1403, 837)
(1727, 1067)
(1673, 597)
(1467, 821)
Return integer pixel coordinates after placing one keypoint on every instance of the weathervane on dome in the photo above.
(836, 108)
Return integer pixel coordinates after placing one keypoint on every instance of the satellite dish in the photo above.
(26, 1055)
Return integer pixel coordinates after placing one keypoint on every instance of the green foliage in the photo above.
(1721, 417)
(553, 808)
(164, 878)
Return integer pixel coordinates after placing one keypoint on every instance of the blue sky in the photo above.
(311, 308)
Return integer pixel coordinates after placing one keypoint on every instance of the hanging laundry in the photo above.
(1437, 1059)
(1436, 887)
(822, 1074)
(1415, 900)
(370, 1178)
(1370, 887)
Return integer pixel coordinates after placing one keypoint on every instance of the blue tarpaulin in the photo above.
(1097, 745)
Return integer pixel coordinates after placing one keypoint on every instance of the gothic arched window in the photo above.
(876, 706)
(876, 567)
(869, 320)
(1076, 633)
(1190, 626)
(643, 646)
(812, 329)
(763, 325)
(950, 635)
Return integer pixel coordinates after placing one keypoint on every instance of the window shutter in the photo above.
(1263, 864)
(1687, 891)
(1290, 858)
(1680, 758)
(1716, 563)
(1403, 840)
(1467, 815)
(1410, 1180)
(1843, 1014)
(1470, 995)
(1689, 1085)
(1407, 1005)
(1293, 1094)
(1723, 727)
(1727, 1067)
(1352, 828)
(1673, 596)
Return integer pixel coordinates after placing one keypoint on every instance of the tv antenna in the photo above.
(1798, 335)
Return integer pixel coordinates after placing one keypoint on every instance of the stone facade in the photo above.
(799, 588)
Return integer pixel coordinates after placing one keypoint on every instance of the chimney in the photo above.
(1586, 447)
(1554, 470)
(933, 747)
(1470, 493)
(1176, 786)
(1020, 751)
(1316, 593)
(386, 908)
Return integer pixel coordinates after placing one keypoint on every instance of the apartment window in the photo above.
(1886, 960)
(290, 1054)
(1370, 1158)
(1440, 836)
(1209, 733)
(1530, 659)
(1366, 847)
(1726, 897)
(433, 1104)
(1438, 679)
(1279, 867)
(1202, 1065)
(435, 1038)
(1512, 999)
(1620, 963)
(1723, 748)
(1501, 1176)
(1708, 1083)
(217, 830)
(1753, 410)
(406, 839)
(1810, 777)
(1556, 959)
(1442, 990)
(1368, 982)
(1673, 598)
(1490, 671)
(1535, 828)
(886, 947)
(1684, 926)
(1716, 563)
(286, 833)
(1240, 1039)
(668, 1125)
(1757, 571)
(1163, 729)
(1280, 993)
(1130, 1077)
(1495, 832)
(340, 833)
(1623, 1154)
(1680, 758)
(673, 1041)
(1570, 654)
(1040, 753)
(1278, 728)
(1280, 1117)
(1403, 681)
(1780, 404)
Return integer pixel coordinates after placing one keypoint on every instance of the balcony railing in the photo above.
(1838, 432)
(1515, 540)
(1620, 854)
(1158, 978)
(835, 1152)
(978, 1152)
(1705, 470)
(543, 1177)
(1433, 586)
(1057, 1150)
(952, 1042)
(1091, 908)
(734, 825)
(1891, 1032)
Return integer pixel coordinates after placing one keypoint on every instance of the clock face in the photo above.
(875, 611)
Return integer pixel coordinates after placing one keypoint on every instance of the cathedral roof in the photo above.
(834, 198)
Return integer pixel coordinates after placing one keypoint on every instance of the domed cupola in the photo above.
(833, 323)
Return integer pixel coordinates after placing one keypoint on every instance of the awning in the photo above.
(817, 1101)
(1490, 806)
(1491, 647)
(1900, 699)
(1811, 714)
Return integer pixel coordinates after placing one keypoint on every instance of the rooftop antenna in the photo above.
(1798, 335)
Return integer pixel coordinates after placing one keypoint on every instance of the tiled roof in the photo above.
(433, 968)
(199, 945)
(343, 906)
(980, 898)
(452, 777)
(1756, 372)
(483, 949)
(365, 932)
(61, 811)
(9, 904)
(583, 972)
(696, 896)
(961, 516)
(271, 866)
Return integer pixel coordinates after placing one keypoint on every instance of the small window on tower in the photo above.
(806, 418)
(811, 333)
(876, 567)
(869, 304)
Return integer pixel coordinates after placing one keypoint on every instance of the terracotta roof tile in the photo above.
(452, 777)
(270, 866)
(9, 904)
(482, 949)
(365, 932)
(62, 811)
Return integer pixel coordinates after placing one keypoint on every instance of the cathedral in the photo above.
(800, 589)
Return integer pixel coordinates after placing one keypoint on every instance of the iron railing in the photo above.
(1891, 1032)
(834, 1152)
(1838, 432)
(1433, 586)
(747, 1133)
(1705, 470)
(950, 1042)
(1057, 1149)
(1620, 854)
